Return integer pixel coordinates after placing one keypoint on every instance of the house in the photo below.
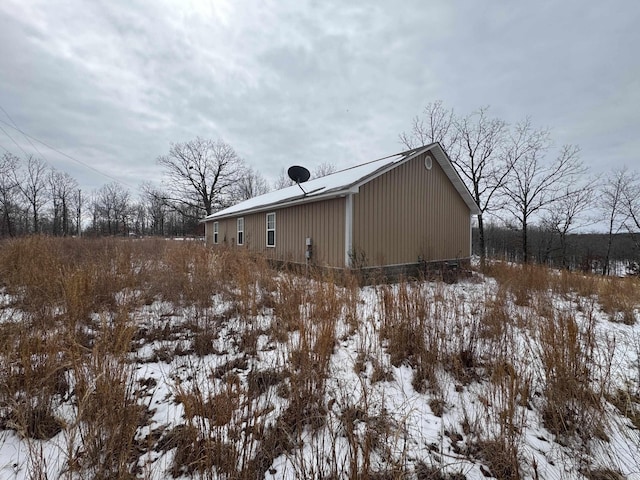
(396, 212)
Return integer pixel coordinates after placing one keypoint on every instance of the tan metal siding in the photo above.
(223, 232)
(255, 232)
(208, 232)
(322, 221)
(410, 212)
(227, 232)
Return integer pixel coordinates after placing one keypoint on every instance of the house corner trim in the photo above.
(348, 230)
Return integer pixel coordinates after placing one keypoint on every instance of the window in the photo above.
(215, 232)
(271, 229)
(240, 223)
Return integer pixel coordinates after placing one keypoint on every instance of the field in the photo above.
(152, 359)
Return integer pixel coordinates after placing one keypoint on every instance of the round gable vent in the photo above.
(428, 162)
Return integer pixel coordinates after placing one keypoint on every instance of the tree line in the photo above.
(199, 177)
(537, 196)
(36, 199)
(523, 185)
(586, 251)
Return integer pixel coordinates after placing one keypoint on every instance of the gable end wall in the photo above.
(410, 214)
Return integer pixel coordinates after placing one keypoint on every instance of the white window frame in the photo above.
(215, 232)
(272, 229)
(240, 231)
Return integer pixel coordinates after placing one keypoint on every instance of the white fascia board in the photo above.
(448, 168)
(446, 165)
(277, 206)
(437, 151)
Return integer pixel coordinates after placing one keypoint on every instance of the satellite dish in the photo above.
(298, 174)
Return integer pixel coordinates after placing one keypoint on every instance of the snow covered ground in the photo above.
(462, 402)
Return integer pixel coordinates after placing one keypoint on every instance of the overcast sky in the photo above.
(113, 83)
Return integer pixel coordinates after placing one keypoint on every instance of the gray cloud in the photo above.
(113, 84)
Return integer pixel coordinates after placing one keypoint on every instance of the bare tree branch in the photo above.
(570, 211)
(480, 157)
(533, 184)
(436, 125)
(32, 182)
(250, 184)
(283, 180)
(201, 174)
(9, 165)
(324, 169)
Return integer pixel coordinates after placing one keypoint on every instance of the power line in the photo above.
(11, 138)
(16, 125)
(63, 154)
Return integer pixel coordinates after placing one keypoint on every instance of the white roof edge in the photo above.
(446, 165)
(277, 205)
(353, 186)
(389, 167)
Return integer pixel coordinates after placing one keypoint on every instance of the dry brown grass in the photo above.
(521, 281)
(628, 404)
(572, 406)
(71, 334)
(566, 371)
(618, 297)
(33, 381)
(71, 340)
(413, 332)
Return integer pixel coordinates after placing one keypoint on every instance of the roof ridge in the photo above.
(335, 185)
(405, 153)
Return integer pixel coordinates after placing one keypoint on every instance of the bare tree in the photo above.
(324, 169)
(62, 187)
(9, 165)
(32, 181)
(200, 176)
(140, 218)
(570, 213)
(612, 204)
(112, 209)
(631, 198)
(534, 185)
(250, 184)
(436, 125)
(78, 204)
(52, 180)
(156, 208)
(283, 180)
(482, 159)
(632, 207)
